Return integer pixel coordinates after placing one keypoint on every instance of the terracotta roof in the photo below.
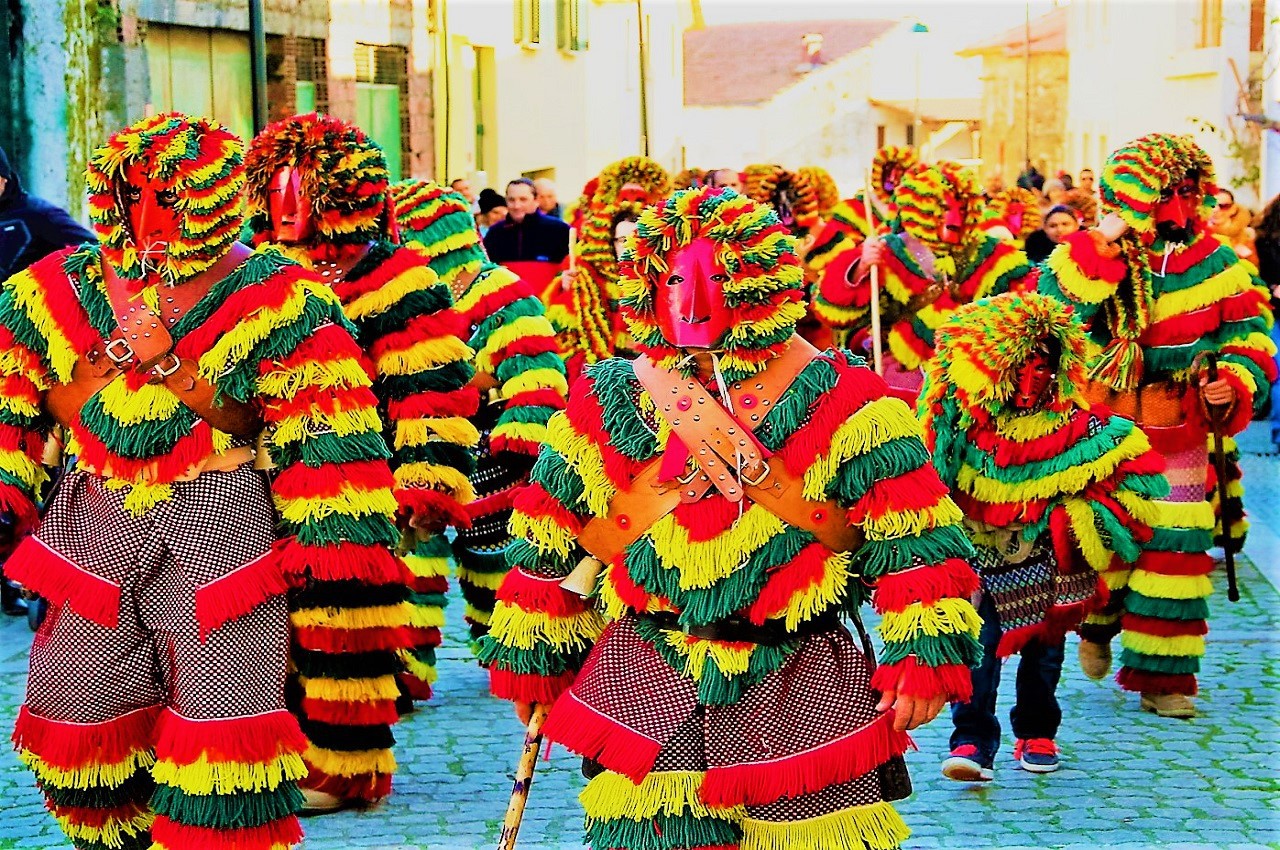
(742, 64)
(1048, 35)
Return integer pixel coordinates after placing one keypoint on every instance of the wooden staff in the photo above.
(524, 779)
(877, 358)
(1220, 464)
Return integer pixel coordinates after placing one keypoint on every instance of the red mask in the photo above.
(632, 192)
(689, 301)
(288, 207)
(152, 209)
(952, 221)
(1031, 381)
(891, 179)
(1014, 218)
(1178, 205)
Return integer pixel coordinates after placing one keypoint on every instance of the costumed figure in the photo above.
(836, 248)
(689, 178)
(155, 713)
(521, 381)
(742, 492)
(317, 187)
(1160, 295)
(1013, 215)
(584, 312)
(824, 186)
(938, 259)
(1054, 494)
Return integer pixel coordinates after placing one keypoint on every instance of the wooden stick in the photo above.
(877, 358)
(524, 779)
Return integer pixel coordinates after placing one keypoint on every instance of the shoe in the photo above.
(321, 802)
(1038, 755)
(963, 765)
(1169, 705)
(1095, 659)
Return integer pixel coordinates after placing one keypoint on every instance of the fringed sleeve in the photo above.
(541, 633)
(408, 328)
(1083, 271)
(515, 344)
(915, 551)
(1243, 341)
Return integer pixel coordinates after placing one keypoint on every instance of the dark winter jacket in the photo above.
(31, 228)
(537, 237)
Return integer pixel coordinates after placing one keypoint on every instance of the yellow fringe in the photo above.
(296, 429)
(816, 598)
(202, 777)
(372, 617)
(489, 581)
(530, 431)
(912, 523)
(1232, 280)
(703, 563)
(11, 363)
(432, 477)
(349, 502)
(419, 669)
(112, 832)
(515, 627)
(544, 533)
(235, 345)
(1024, 429)
(29, 297)
(1170, 587)
(1073, 282)
(1091, 544)
(18, 406)
(732, 660)
(426, 616)
(474, 614)
(1116, 579)
(351, 762)
(874, 424)
(350, 690)
(424, 355)
(1179, 645)
(23, 468)
(524, 326)
(445, 429)
(945, 617)
(873, 827)
(131, 407)
(535, 379)
(1006, 261)
(345, 373)
(424, 567)
(495, 280)
(610, 796)
(583, 457)
(91, 775)
(1072, 480)
(609, 602)
(141, 497)
(391, 293)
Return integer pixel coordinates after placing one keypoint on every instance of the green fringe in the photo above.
(136, 788)
(1216, 263)
(542, 660)
(716, 687)
(1181, 540)
(520, 308)
(149, 438)
(1172, 665)
(372, 530)
(344, 665)
(956, 648)
(1088, 450)
(1166, 609)
(421, 302)
(461, 458)
(521, 553)
(228, 811)
(1115, 536)
(797, 404)
(1177, 358)
(663, 832)
(857, 475)
(1149, 486)
(446, 264)
(315, 451)
(478, 561)
(615, 386)
(427, 600)
(529, 414)
(444, 378)
(518, 364)
(876, 558)
(424, 655)
(559, 479)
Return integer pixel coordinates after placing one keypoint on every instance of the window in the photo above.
(382, 101)
(880, 136)
(202, 72)
(571, 25)
(312, 91)
(911, 135)
(528, 22)
(1210, 20)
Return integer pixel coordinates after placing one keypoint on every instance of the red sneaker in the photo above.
(963, 765)
(1038, 755)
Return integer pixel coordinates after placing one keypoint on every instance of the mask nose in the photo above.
(695, 296)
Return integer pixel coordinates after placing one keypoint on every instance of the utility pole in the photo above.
(258, 64)
(644, 78)
(1026, 89)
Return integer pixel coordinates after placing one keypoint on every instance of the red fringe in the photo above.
(951, 579)
(1175, 563)
(953, 681)
(329, 344)
(589, 733)
(62, 582)
(64, 304)
(503, 500)
(186, 453)
(1186, 328)
(417, 689)
(805, 570)
(539, 594)
(628, 591)
(1013, 642)
(1198, 251)
(1175, 439)
(463, 402)
(530, 346)
(587, 418)
(367, 787)
(257, 739)
(841, 760)
(853, 389)
(1164, 628)
(1084, 253)
(331, 401)
(708, 517)
(371, 713)
(443, 323)
(495, 300)
(433, 505)
(540, 397)
(917, 490)
(529, 687)
(1141, 681)
(534, 501)
(515, 445)
(299, 481)
(239, 592)
(170, 835)
(340, 562)
(70, 746)
(1000, 513)
(96, 818)
(401, 260)
(1008, 452)
(322, 639)
(16, 503)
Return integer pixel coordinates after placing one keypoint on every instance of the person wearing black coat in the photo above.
(30, 227)
(526, 233)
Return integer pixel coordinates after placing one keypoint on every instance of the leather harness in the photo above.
(725, 455)
(141, 342)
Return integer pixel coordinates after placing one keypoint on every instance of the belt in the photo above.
(738, 630)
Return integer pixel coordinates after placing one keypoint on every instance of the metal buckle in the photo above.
(686, 479)
(764, 473)
(159, 369)
(119, 359)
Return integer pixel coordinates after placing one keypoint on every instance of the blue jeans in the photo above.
(1035, 712)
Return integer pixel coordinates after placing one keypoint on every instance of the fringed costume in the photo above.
(155, 714)
(1054, 495)
(1012, 214)
(352, 638)
(924, 277)
(725, 705)
(1154, 306)
(520, 377)
(585, 314)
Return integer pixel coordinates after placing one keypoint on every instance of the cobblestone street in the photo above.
(1129, 779)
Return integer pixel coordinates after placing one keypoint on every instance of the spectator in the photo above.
(1230, 223)
(1031, 179)
(462, 186)
(1067, 182)
(995, 185)
(527, 233)
(1055, 193)
(725, 178)
(1266, 241)
(493, 209)
(548, 201)
(31, 228)
(1058, 222)
(1086, 181)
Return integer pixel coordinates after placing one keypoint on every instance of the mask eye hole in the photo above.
(675, 280)
(167, 198)
(720, 278)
